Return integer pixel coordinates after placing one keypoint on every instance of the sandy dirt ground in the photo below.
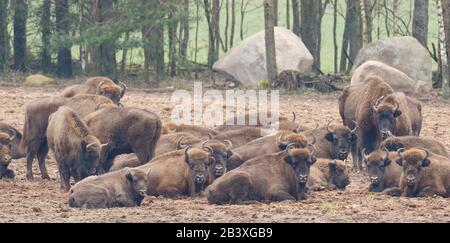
(42, 201)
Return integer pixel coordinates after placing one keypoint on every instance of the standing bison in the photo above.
(380, 114)
(275, 177)
(98, 86)
(125, 130)
(75, 149)
(34, 139)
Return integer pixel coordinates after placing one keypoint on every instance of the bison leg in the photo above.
(143, 156)
(393, 192)
(41, 155)
(64, 174)
(281, 196)
(31, 153)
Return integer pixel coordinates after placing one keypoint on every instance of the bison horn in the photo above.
(397, 105)
(229, 144)
(104, 145)
(294, 117)
(179, 144)
(364, 154)
(290, 145)
(376, 103)
(186, 151)
(99, 86)
(386, 154)
(356, 127)
(124, 88)
(14, 134)
(280, 139)
(427, 153)
(314, 151)
(400, 152)
(313, 141)
(204, 143)
(328, 126)
(209, 149)
(89, 145)
(210, 136)
(297, 129)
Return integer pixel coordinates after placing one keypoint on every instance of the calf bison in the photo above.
(178, 173)
(333, 142)
(384, 175)
(123, 188)
(76, 150)
(5, 158)
(265, 145)
(425, 174)
(275, 177)
(34, 139)
(379, 112)
(98, 86)
(126, 130)
(15, 149)
(328, 174)
(197, 131)
(393, 144)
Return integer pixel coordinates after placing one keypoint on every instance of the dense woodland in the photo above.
(162, 38)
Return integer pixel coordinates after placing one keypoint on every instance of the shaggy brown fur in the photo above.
(15, 150)
(5, 158)
(196, 131)
(384, 173)
(328, 174)
(125, 130)
(99, 86)
(407, 142)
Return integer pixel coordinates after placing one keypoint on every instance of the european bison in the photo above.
(328, 174)
(393, 144)
(384, 175)
(275, 177)
(126, 130)
(98, 86)
(15, 150)
(333, 142)
(178, 173)
(197, 131)
(123, 188)
(34, 139)
(284, 123)
(242, 136)
(425, 174)
(265, 145)
(76, 150)
(379, 112)
(5, 158)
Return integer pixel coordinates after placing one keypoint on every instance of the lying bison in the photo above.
(197, 131)
(425, 174)
(380, 113)
(15, 150)
(266, 145)
(384, 175)
(283, 123)
(5, 158)
(126, 130)
(275, 177)
(123, 188)
(34, 140)
(98, 86)
(178, 173)
(328, 174)
(76, 150)
(242, 136)
(334, 142)
(393, 144)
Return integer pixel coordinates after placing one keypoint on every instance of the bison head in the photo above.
(341, 139)
(137, 181)
(169, 127)
(220, 153)
(111, 90)
(198, 161)
(90, 153)
(376, 162)
(413, 161)
(386, 110)
(339, 174)
(13, 143)
(392, 144)
(5, 158)
(300, 159)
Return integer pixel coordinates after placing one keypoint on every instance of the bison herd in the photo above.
(86, 127)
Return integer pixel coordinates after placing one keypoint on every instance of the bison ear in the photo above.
(426, 162)
(329, 136)
(397, 113)
(387, 162)
(282, 146)
(288, 159)
(229, 154)
(399, 161)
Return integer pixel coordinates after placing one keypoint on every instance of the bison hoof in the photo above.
(46, 177)
(30, 177)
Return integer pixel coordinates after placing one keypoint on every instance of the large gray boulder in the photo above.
(403, 53)
(246, 63)
(398, 80)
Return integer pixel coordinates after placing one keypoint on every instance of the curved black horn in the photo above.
(229, 144)
(364, 154)
(14, 134)
(356, 127)
(313, 141)
(400, 152)
(124, 89)
(179, 144)
(386, 154)
(294, 117)
(427, 153)
(186, 151)
(328, 126)
(376, 103)
(397, 105)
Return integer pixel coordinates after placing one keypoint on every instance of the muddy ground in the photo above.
(42, 201)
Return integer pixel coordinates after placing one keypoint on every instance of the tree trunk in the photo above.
(172, 31)
(366, 21)
(123, 63)
(443, 6)
(335, 36)
(288, 15)
(394, 17)
(197, 12)
(311, 14)
(351, 40)
(20, 34)
(3, 35)
(185, 29)
(84, 58)
(46, 60)
(64, 65)
(233, 22)
(227, 22)
(420, 21)
(153, 37)
(216, 28)
(244, 5)
(269, 23)
(211, 32)
(275, 12)
(296, 18)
